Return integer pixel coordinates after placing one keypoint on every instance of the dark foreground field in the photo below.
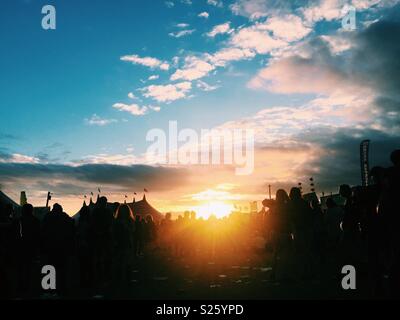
(161, 276)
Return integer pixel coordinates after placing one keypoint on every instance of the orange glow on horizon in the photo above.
(217, 208)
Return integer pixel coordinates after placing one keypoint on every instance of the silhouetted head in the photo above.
(27, 210)
(57, 208)
(84, 213)
(395, 158)
(281, 196)
(345, 191)
(168, 216)
(193, 215)
(124, 213)
(295, 194)
(102, 203)
(330, 203)
(186, 215)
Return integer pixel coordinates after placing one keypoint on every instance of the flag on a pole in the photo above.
(99, 190)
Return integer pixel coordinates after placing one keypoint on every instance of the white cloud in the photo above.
(323, 10)
(132, 96)
(334, 9)
(194, 68)
(167, 93)
(225, 55)
(154, 77)
(169, 4)
(114, 159)
(250, 8)
(256, 38)
(293, 75)
(338, 43)
(181, 33)
(95, 120)
(205, 86)
(215, 3)
(155, 108)
(20, 158)
(220, 29)
(204, 15)
(182, 25)
(146, 61)
(288, 27)
(133, 109)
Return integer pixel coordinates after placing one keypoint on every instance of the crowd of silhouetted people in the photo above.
(316, 239)
(104, 241)
(364, 232)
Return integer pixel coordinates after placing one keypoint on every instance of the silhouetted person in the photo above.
(389, 209)
(350, 226)
(280, 227)
(150, 230)
(85, 248)
(302, 218)
(8, 257)
(29, 233)
(319, 232)
(58, 239)
(101, 231)
(334, 218)
(138, 236)
(166, 229)
(124, 228)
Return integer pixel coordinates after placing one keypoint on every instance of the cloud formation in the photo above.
(168, 93)
(133, 108)
(146, 61)
(95, 120)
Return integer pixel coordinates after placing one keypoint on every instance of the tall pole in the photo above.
(48, 199)
(364, 161)
(269, 190)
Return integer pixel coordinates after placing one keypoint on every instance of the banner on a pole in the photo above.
(364, 158)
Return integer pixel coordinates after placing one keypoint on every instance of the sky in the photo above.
(77, 102)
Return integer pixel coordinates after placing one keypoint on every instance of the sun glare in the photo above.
(218, 209)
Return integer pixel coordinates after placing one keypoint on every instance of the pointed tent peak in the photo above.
(144, 197)
(134, 200)
(84, 204)
(98, 198)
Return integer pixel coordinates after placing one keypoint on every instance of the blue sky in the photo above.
(62, 89)
(62, 77)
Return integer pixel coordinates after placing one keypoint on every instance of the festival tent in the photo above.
(5, 200)
(144, 208)
(139, 208)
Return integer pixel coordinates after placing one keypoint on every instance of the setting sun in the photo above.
(219, 209)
